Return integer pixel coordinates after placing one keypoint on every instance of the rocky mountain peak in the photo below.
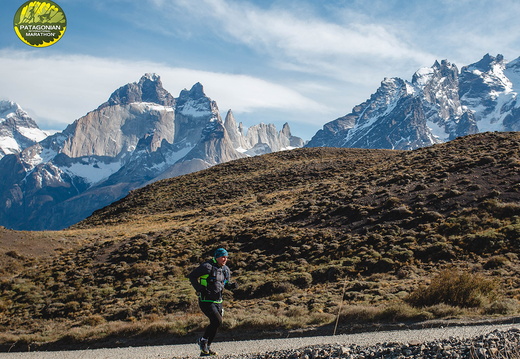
(443, 70)
(194, 108)
(230, 119)
(17, 129)
(11, 110)
(151, 77)
(487, 62)
(484, 79)
(448, 70)
(286, 130)
(148, 89)
(196, 92)
(234, 131)
(6, 108)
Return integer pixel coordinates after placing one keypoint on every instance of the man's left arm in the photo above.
(228, 284)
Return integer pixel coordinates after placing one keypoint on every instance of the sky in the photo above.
(302, 62)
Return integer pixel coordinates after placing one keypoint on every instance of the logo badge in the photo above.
(40, 23)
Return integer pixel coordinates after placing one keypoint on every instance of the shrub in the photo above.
(487, 241)
(328, 274)
(496, 262)
(14, 254)
(383, 265)
(507, 306)
(436, 252)
(392, 202)
(393, 312)
(301, 280)
(396, 213)
(501, 209)
(402, 312)
(486, 160)
(93, 320)
(359, 314)
(455, 288)
(444, 310)
(274, 287)
(296, 311)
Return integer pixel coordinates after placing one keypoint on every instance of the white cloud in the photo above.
(302, 40)
(305, 61)
(60, 89)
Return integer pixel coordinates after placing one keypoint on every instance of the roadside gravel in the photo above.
(248, 349)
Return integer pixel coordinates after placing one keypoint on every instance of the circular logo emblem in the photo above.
(40, 23)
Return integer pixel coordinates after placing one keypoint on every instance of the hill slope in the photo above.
(298, 224)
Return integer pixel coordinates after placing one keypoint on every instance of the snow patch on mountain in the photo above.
(34, 134)
(424, 75)
(174, 157)
(149, 106)
(9, 145)
(194, 109)
(493, 120)
(92, 171)
(437, 132)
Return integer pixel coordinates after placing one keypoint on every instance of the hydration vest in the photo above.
(214, 282)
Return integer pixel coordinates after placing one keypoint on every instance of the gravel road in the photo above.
(266, 345)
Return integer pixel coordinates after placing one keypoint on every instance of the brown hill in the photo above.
(387, 227)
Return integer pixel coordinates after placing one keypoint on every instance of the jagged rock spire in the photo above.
(234, 132)
(148, 89)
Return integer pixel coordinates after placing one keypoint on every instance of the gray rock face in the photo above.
(93, 135)
(263, 134)
(261, 138)
(438, 105)
(140, 135)
(235, 132)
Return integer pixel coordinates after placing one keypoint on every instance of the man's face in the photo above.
(222, 260)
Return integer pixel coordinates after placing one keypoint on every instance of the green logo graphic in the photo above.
(40, 23)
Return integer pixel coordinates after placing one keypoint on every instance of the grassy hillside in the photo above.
(388, 236)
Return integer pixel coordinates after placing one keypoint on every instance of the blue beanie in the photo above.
(221, 252)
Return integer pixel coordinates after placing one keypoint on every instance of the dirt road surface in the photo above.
(266, 345)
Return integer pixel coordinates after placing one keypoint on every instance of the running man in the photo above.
(209, 280)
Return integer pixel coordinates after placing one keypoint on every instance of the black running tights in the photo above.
(214, 312)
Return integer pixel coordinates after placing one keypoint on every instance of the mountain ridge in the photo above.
(439, 104)
(140, 134)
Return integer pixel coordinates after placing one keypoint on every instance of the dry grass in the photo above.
(457, 289)
(298, 224)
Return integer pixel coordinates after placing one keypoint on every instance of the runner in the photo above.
(209, 280)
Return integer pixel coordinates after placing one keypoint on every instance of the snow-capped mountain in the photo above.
(260, 138)
(17, 129)
(141, 134)
(437, 105)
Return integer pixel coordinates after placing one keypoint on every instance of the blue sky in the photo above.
(303, 62)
